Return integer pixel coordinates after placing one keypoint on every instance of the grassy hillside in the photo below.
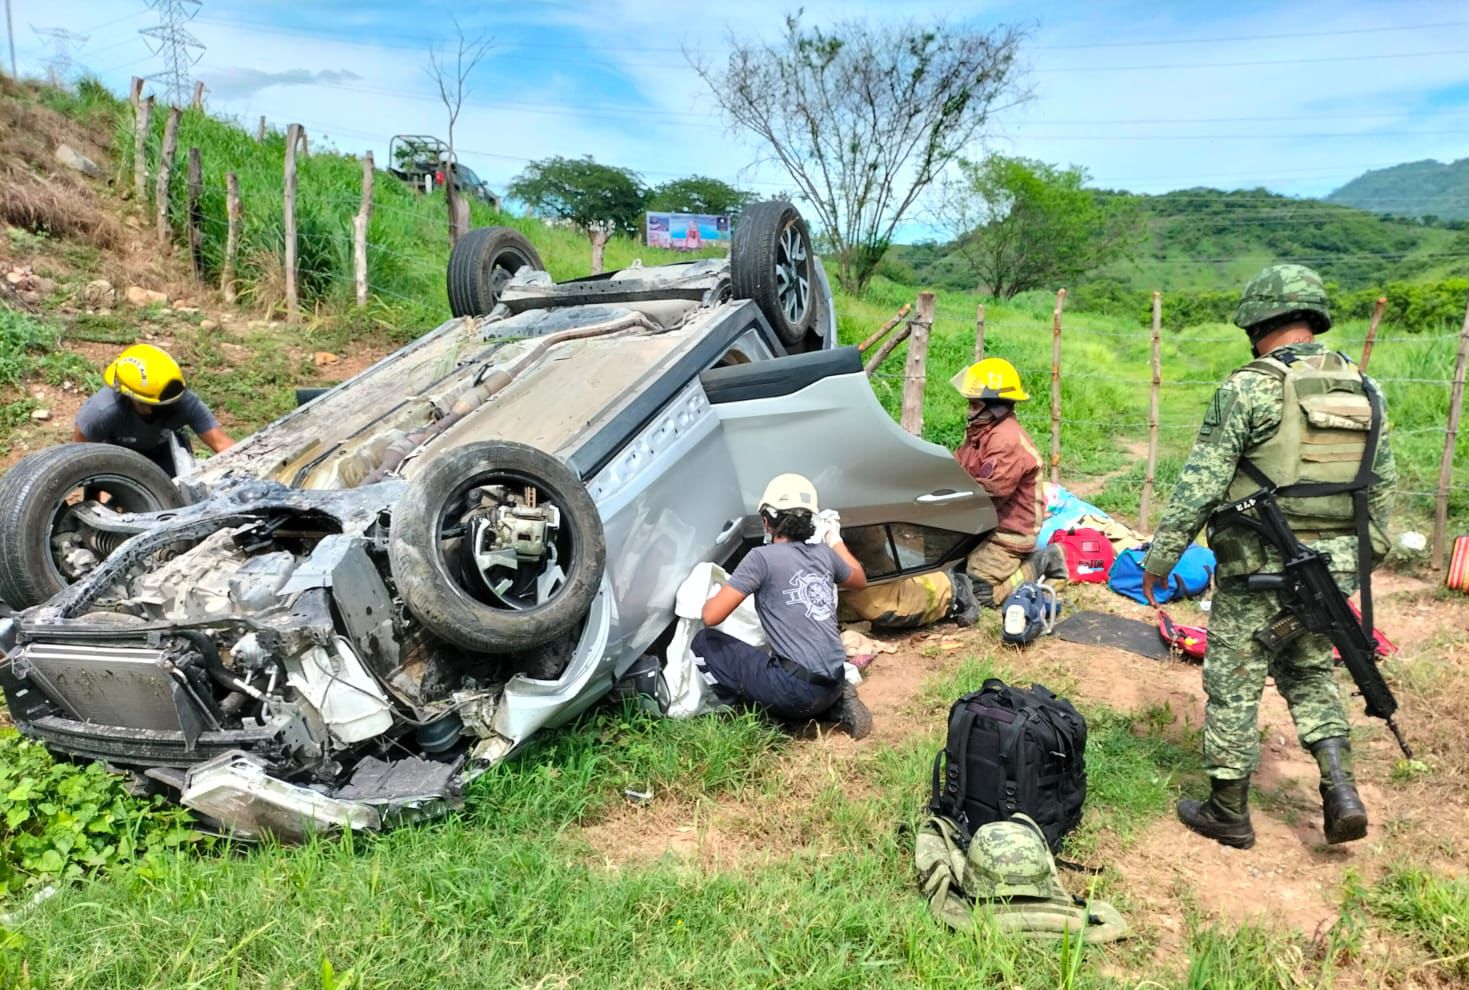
(1208, 239)
(1413, 189)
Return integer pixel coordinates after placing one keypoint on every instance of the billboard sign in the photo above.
(687, 231)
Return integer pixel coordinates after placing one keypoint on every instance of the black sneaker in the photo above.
(965, 608)
(851, 714)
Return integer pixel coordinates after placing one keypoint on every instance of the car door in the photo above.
(906, 504)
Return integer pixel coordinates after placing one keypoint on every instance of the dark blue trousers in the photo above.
(741, 672)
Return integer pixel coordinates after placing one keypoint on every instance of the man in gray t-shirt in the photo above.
(145, 403)
(797, 603)
(793, 582)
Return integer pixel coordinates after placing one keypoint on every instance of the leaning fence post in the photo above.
(888, 346)
(142, 121)
(1145, 506)
(232, 238)
(196, 214)
(1056, 387)
(293, 302)
(198, 102)
(1372, 331)
(915, 372)
(882, 331)
(260, 131)
(1446, 467)
(979, 334)
(359, 230)
(165, 171)
(135, 91)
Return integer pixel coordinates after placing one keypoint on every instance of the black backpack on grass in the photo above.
(1012, 750)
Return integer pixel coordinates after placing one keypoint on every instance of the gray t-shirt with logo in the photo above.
(108, 417)
(796, 601)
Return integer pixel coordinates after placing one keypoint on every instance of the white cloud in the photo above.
(236, 82)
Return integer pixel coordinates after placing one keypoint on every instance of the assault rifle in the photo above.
(1311, 602)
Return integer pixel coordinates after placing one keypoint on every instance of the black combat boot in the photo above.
(1346, 816)
(965, 608)
(1225, 817)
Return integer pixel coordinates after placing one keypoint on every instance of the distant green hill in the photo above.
(1208, 239)
(1414, 189)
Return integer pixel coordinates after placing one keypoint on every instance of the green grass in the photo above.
(1427, 906)
(507, 892)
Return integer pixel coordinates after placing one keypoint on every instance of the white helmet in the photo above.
(789, 491)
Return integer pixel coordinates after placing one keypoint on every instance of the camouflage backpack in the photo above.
(1008, 870)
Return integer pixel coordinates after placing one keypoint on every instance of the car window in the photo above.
(467, 177)
(888, 549)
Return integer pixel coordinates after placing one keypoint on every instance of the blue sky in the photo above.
(1294, 97)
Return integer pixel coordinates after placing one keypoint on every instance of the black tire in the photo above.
(480, 265)
(771, 262)
(429, 585)
(32, 497)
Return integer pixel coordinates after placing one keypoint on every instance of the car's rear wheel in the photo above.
(44, 543)
(480, 265)
(497, 547)
(771, 262)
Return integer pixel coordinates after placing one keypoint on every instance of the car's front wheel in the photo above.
(46, 542)
(497, 547)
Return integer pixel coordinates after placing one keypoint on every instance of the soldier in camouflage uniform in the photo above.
(1298, 414)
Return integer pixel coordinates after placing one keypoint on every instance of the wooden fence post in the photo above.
(888, 346)
(882, 331)
(359, 230)
(293, 302)
(1446, 467)
(232, 238)
(979, 334)
(196, 214)
(915, 373)
(1372, 331)
(260, 131)
(135, 92)
(143, 120)
(198, 102)
(597, 234)
(165, 172)
(1056, 387)
(1145, 506)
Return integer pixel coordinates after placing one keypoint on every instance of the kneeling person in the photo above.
(145, 406)
(792, 580)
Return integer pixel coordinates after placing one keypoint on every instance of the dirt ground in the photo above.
(1290, 879)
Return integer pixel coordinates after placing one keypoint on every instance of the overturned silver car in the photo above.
(343, 618)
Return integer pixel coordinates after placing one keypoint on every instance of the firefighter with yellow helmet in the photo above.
(1000, 455)
(146, 407)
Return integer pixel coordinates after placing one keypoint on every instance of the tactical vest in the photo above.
(1325, 418)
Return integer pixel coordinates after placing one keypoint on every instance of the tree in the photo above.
(451, 77)
(865, 117)
(699, 194)
(1022, 224)
(600, 199)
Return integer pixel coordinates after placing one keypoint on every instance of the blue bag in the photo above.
(1190, 576)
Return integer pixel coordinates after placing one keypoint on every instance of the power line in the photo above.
(1291, 36)
(178, 46)
(1277, 62)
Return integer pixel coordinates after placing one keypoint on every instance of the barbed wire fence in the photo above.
(1139, 441)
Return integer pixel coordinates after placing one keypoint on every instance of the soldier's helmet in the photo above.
(1282, 289)
(1011, 859)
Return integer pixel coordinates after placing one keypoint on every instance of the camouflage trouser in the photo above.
(907, 603)
(998, 570)
(1235, 668)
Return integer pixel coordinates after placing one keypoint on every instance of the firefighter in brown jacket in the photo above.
(1000, 455)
